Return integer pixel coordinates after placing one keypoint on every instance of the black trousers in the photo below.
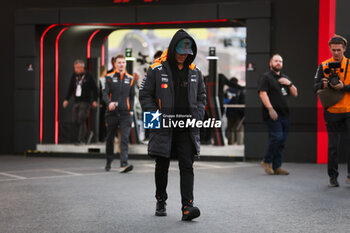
(102, 126)
(338, 128)
(183, 149)
(81, 111)
(123, 121)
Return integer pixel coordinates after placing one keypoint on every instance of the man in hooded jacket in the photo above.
(174, 86)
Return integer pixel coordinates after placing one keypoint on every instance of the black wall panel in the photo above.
(176, 13)
(342, 21)
(24, 102)
(37, 16)
(7, 76)
(25, 77)
(253, 112)
(258, 36)
(25, 41)
(25, 132)
(254, 134)
(97, 15)
(243, 10)
(260, 64)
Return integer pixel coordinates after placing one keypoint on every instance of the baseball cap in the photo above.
(184, 46)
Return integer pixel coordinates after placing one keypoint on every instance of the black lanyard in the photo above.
(79, 82)
(346, 69)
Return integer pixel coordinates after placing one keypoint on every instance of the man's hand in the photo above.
(273, 114)
(65, 103)
(112, 106)
(339, 86)
(284, 81)
(325, 82)
(94, 104)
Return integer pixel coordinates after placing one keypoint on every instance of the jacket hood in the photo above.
(179, 35)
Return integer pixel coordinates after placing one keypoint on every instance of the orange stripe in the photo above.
(127, 102)
(159, 60)
(160, 104)
(132, 82)
(110, 96)
(155, 64)
(122, 76)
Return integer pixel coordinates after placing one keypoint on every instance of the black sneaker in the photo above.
(333, 182)
(189, 213)
(126, 168)
(161, 208)
(108, 165)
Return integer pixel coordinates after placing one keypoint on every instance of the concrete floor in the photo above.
(140, 149)
(76, 195)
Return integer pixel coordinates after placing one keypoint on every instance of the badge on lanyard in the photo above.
(78, 90)
(284, 92)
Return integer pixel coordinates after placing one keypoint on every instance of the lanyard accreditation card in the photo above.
(78, 90)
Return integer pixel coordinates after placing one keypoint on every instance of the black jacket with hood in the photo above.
(157, 93)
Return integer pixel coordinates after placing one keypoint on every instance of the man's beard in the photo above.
(274, 68)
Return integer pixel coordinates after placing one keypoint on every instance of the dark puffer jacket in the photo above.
(157, 93)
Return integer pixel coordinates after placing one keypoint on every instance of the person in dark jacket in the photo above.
(223, 80)
(113, 66)
(84, 88)
(103, 108)
(235, 115)
(156, 55)
(119, 94)
(174, 86)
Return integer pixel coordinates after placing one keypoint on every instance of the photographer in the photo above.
(332, 84)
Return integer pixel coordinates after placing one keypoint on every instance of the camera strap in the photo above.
(346, 69)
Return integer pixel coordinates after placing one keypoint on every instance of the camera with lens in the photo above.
(333, 71)
(143, 59)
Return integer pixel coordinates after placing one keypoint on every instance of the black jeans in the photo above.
(183, 149)
(338, 128)
(123, 121)
(81, 111)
